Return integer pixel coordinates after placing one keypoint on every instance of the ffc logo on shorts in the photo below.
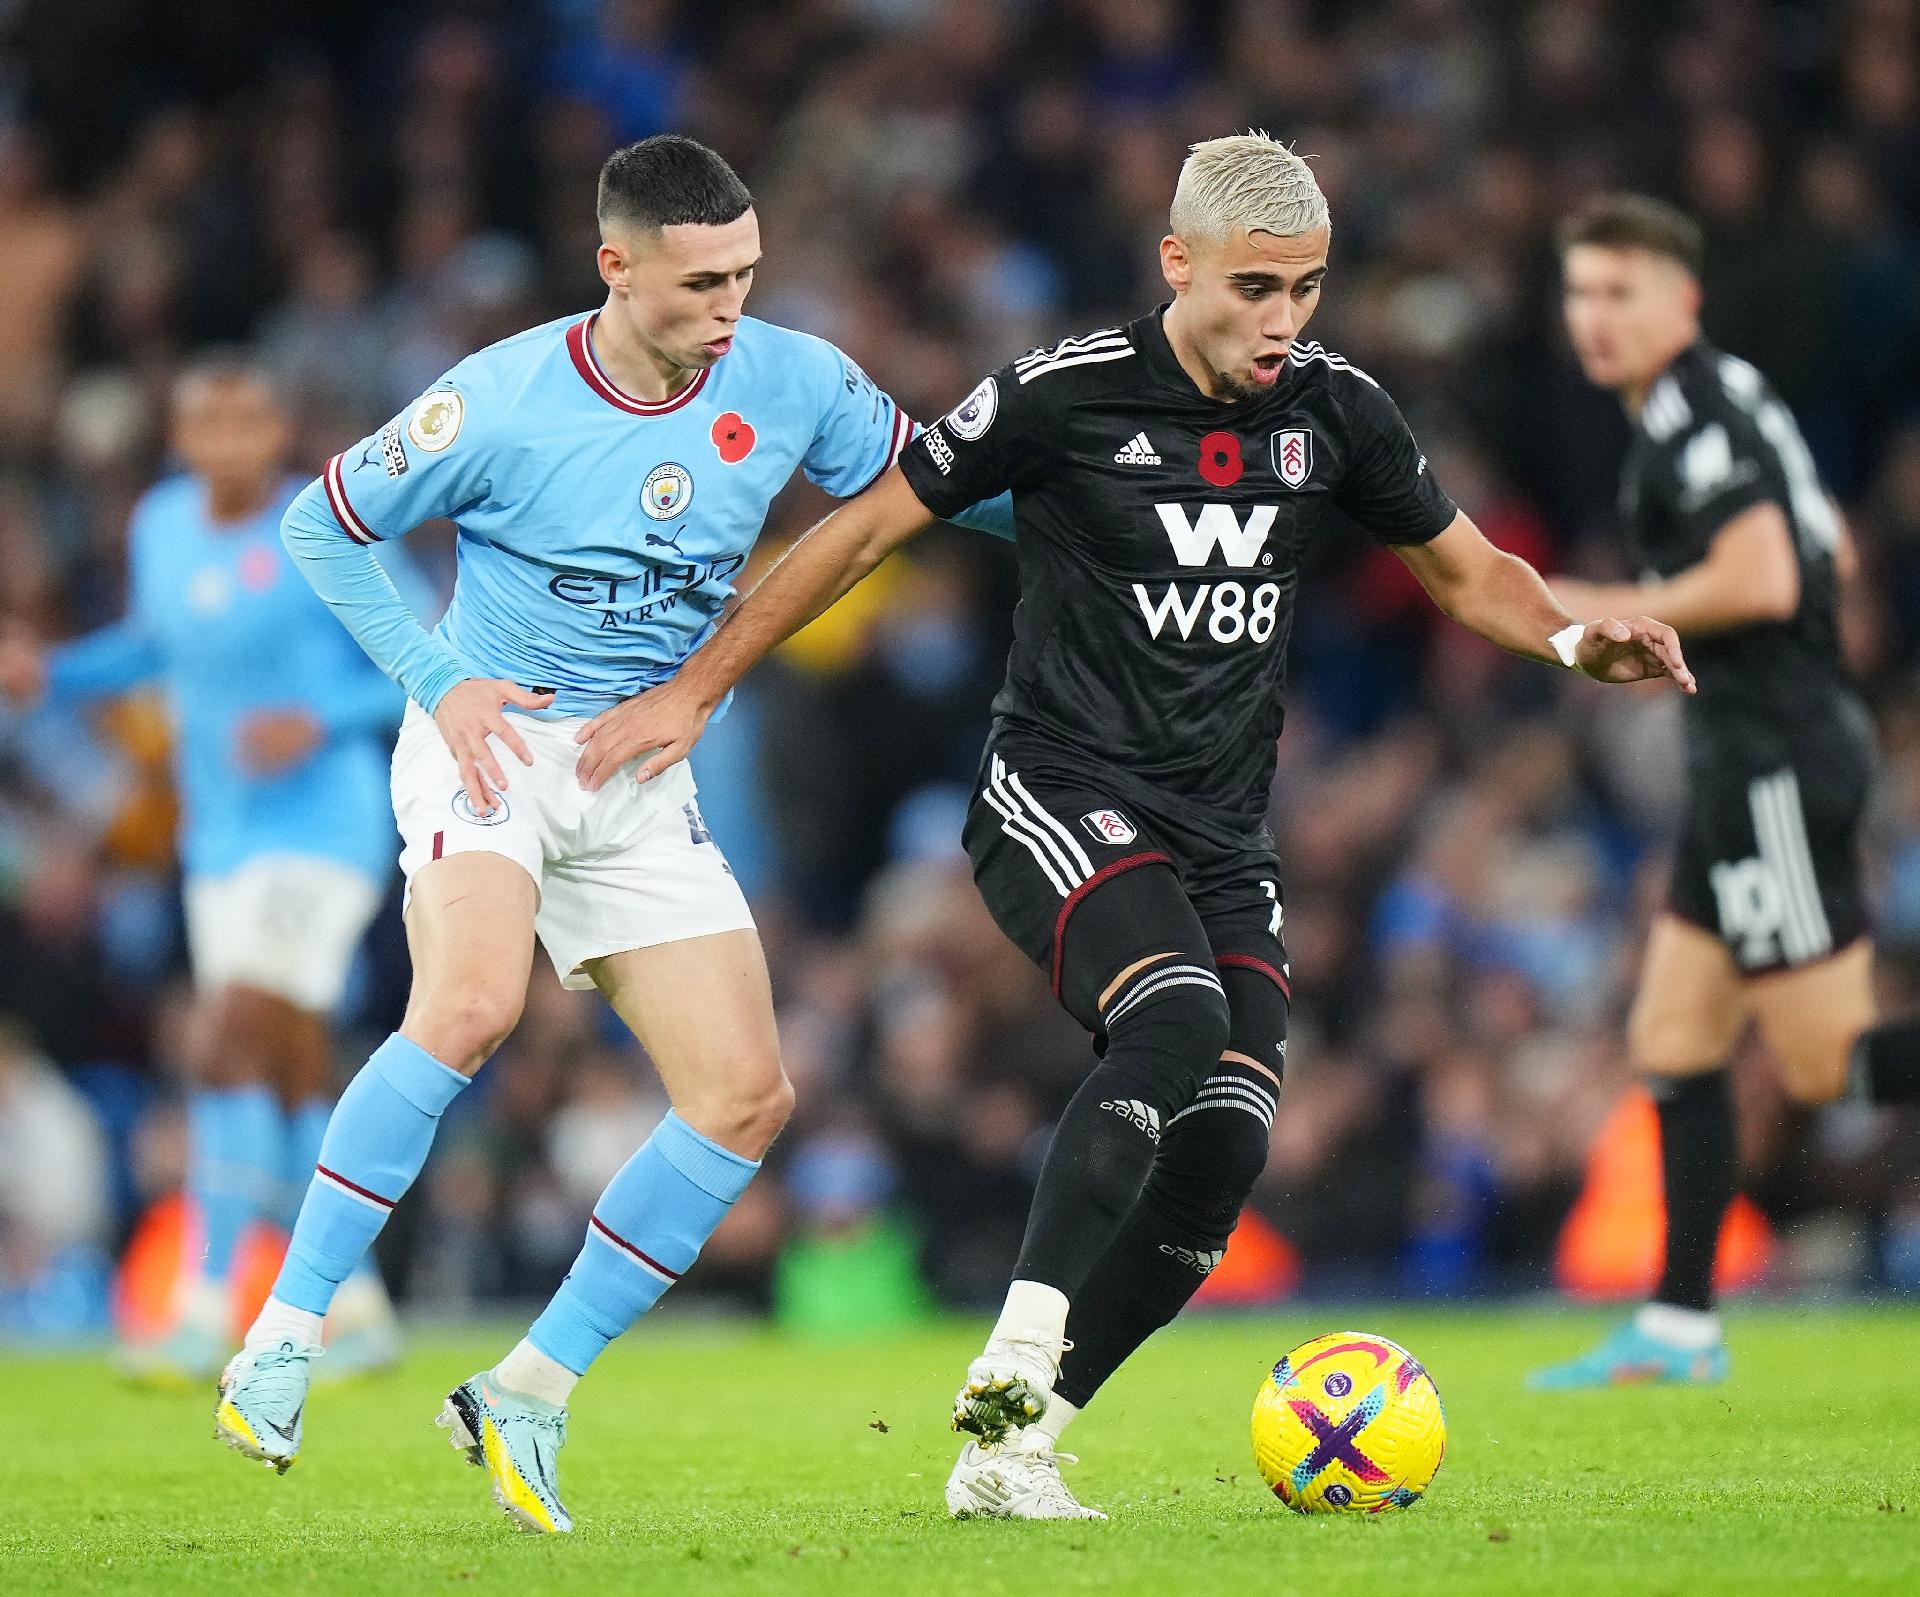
(463, 807)
(1109, 826)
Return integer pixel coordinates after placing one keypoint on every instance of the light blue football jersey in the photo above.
(220, 617)
(599, 534)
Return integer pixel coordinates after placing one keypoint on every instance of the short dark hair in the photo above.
(1636, 222)
(667, 181)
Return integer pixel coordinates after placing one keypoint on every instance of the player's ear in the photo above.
(613, 263)
(1176, 265)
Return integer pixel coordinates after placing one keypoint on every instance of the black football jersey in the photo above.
(1160, 534)
(1713, 440)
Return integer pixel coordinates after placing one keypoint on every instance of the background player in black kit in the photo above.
(1167, 477)
(1765, 917)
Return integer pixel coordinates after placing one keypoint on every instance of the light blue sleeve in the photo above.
(860, 434)
(361, 700)
(115, 659)
(858, 431)
(425, 463)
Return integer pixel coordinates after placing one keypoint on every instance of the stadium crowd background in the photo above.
(367, 192)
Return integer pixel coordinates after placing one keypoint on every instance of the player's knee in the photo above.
(745, 1118)
(1209, 1165)
(1660, 1045)
(1817, 1079)
(463, 1027)
(1172, 1021)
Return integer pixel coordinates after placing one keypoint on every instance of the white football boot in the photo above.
(1018, 1479)
(1008, 1386)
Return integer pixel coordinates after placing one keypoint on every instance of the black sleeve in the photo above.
(1387, 487)
(1711, 472)
(985, 445)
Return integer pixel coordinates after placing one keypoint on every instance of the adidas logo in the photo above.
(1206, 1262)
(1136, 451)
(1132, 1110)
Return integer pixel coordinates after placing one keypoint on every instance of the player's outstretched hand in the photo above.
(1632, 651)
(23, 670)
(271, 741)
(663, 723)
(468, 716)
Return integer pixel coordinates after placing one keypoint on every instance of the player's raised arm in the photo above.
(1507, 602)
(808, 579)
(1391, 492)
(980, 449)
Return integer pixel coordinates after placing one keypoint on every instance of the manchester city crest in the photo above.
(667, 491)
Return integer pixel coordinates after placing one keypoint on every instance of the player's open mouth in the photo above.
(718, 347)
(1267, 368)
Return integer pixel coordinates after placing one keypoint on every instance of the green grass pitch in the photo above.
(723, 1459)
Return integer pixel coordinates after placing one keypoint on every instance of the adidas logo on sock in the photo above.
(1136, 451)
(1205, 1261)
(1143, 1115)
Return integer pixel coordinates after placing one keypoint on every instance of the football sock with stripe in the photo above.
(306, 1132)
(234, 1148)
(1210, 1156)
(643, 1235)
(1168, 1027)
(1700, 1168)
(376, 1141)
(1886, 1062)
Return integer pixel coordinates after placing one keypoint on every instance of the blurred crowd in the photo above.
(366, 192)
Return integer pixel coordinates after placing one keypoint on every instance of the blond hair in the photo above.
(1245, 182)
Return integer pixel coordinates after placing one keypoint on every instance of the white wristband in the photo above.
(1566, 641)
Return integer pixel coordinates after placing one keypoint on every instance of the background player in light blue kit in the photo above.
(282, 734)
(607, 474)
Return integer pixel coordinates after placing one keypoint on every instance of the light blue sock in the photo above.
(306, 1130)
(645, 1232)
(233, 1168)
(376, 1142)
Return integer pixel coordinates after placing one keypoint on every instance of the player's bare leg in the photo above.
(703, 1009)
(1691, 1010)
(470, 932)
(470, 937)
(1811, 1017)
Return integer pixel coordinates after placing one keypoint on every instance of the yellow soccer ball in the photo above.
(1348, 1423)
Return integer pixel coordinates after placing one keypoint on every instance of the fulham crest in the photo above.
(1293, 455)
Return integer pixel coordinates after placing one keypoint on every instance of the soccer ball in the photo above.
(1348, 1423)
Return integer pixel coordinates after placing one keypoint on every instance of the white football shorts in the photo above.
(630, 866)
(288, 924)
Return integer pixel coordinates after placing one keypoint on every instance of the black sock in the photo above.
(1699, 1166)
(1176, 1233)
(1886, 1062)
(1106, 1140)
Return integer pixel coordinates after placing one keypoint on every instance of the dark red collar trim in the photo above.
(580, 347)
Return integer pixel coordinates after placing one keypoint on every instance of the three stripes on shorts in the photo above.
(1055, 850)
